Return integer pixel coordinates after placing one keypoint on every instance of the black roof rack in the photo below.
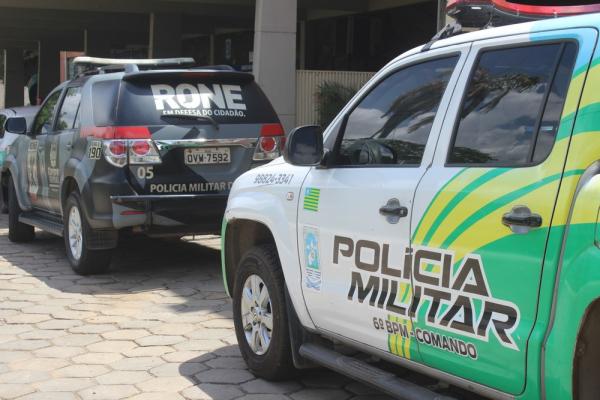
(449, 30)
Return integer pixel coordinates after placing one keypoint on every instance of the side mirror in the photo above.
(304, 146)
(16, 125)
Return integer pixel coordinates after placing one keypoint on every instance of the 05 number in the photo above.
(145, 172)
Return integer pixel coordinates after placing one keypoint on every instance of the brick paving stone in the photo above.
(63, 384)
(109, 392)
(24, 344)
(209, 334)
(14, 329)
(79, 339)
(137, 363)
(209, 391)
(148, 351)
(59, 351)
(97, 358)
(156, 396)
(219, 375)
(125, 334)
(112, 346)
(14, 390)
(263, 397)
(92, 328)
(42, 334)
(61, 324)
(49, 396)
(159, 340)
(317, 394)
(227, 362)
(123, 377)
(197, 344)
(262, 386)
(27, 318)
(80, 371)
(176, 369)
(173, 329)
(24, 377)
(39, 364)
(165, 384)
(14, 356)
(183, 356)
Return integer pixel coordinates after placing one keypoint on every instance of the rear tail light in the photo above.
(143, 151)
(115, 152)
(129, 144)
(270, 143)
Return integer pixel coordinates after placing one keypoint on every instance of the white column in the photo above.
(275, 55)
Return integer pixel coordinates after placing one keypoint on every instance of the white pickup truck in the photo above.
(446, 222)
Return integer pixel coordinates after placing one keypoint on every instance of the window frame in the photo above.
(333, 153)
(63, 96)
(3, 119)
(60, 95)
(539, 117)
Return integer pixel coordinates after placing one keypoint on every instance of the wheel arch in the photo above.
(240, 235)
(68, 185)
(586, 360)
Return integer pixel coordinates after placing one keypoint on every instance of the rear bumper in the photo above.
(169, 214)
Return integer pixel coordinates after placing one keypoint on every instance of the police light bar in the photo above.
(158, 62)
(483, 13)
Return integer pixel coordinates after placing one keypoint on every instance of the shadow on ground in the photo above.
(186, 271)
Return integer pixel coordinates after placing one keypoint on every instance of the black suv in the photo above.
(145, 146)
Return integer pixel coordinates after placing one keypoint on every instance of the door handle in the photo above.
(393, 211)
(68, 146)
(521, 219)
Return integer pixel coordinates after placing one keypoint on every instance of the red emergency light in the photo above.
(481, 13)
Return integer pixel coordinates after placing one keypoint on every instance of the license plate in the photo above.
(208, 155)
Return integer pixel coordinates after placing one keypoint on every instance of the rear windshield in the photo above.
(156, 103)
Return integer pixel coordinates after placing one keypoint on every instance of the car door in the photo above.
(60, 143)
(37, 178)
(353, 222)
(482, 213)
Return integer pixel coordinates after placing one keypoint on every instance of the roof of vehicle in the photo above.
(26, 111)
(579, 21)
(211, 73)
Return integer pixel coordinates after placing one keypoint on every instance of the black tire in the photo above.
(276, 363)
(4, 196)
(89, 261)
(18, 232)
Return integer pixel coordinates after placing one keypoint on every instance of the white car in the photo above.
(7, 138)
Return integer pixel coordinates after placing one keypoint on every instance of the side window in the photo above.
(2, 122)
(513, 104)
(68, 111)
(43, 121)
(391, 125)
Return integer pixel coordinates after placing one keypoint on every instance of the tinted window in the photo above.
(43, 121)
(505, 99)
(392, 123)
(69, 108)
(160, 103)
(104, 96)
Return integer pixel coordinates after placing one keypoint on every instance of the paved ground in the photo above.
(158, 326)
